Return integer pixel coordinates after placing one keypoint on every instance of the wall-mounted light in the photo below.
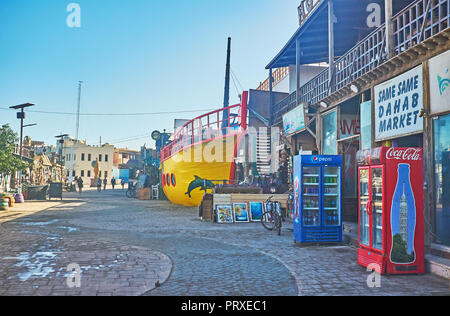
(354, 88)
(423, 113)
(323, 104)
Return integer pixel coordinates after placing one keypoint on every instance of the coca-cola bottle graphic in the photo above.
(403, 218)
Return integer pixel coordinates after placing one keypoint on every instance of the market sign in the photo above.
(294, 121)
(398, 103)
(440, 83)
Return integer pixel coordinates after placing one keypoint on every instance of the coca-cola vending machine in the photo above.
(391, 219)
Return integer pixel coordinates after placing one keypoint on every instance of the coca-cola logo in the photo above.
(412, 154)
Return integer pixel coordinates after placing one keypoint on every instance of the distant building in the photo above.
(122, 156)
(80, 158)
(121, 167)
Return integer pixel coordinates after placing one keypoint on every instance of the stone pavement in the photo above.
(124, 247)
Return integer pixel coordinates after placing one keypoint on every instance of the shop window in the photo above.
(442, 178)
(329, 136)
(366, 125)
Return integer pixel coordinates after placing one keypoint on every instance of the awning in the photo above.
(351, 26)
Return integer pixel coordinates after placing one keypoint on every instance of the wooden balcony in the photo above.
(413, 25)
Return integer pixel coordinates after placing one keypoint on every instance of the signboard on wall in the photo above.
(440, 83)
(398, 103)
(350, 126)
(294, 121)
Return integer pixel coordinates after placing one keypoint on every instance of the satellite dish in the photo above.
(156, 135)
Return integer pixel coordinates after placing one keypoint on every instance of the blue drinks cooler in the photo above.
(318, 199)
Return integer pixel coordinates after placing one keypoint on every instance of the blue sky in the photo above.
(135, 56)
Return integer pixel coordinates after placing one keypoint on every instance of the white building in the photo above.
(80, 158)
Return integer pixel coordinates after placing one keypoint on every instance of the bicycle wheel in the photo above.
(279, 225)
(130, 194)
(268, 220)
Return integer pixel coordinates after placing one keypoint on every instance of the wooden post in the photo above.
(330, 44)
(428, 145)
(297, 69)
(389, 29)
(271, 89)
(372, 89)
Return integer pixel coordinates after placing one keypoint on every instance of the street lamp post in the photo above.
(21, 116)
(60, 152)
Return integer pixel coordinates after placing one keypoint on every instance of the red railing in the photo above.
(208, 127)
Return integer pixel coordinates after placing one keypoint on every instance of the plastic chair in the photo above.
(155, 192)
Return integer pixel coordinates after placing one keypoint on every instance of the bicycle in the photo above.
(272, 218)
(132, 191)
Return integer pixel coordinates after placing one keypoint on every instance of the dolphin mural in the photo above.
(203, 184)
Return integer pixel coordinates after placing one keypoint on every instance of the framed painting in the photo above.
(256, 211)
(224, 214)
(241, 213)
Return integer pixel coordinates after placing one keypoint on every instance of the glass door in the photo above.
(311, 194)
(332, 196)
(377, 208)
(364, 198)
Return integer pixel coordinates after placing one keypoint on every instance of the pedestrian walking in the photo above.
(80, 184)
(74, 184)
(99, 184)
(123, 183)
(105, 182)
(113, 182)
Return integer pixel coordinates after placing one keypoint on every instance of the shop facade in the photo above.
(438, 140)
(407, 108)
(388, 89)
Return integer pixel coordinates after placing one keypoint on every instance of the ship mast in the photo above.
(226, 101)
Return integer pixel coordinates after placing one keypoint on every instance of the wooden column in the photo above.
(389, 29)
(428, 147)
(271, 95)
(372, 89)
(297, 69)
(330, 43)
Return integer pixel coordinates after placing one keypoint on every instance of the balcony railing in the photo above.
(26, 153)
(362, 58)
(316, 89)
(413, 25)
(420, 21)
(278, 75)
(284, 106)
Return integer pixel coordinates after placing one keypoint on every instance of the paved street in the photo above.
(131, 247)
